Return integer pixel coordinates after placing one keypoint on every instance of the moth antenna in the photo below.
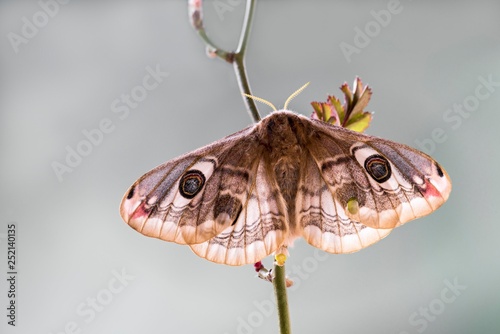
(294, 94)
(261, 101)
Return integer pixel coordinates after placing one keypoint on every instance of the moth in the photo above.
(252, 193)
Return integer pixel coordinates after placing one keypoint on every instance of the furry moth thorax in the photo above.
(250, 194)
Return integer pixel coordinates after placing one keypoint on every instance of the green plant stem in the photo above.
(241, 76)
(237, 58)
(279, 282)
(222, 54)
(239, 62)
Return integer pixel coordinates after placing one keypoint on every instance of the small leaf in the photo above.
(361, 123)
(362, 101)
(331, 120)
(339, 109)
(327, 111)
(323, 111)
(318, 110)
(348, 96)
(357, 87)
(351, 114)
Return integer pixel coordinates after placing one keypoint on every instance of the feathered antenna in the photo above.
(261, 101)
(294, 94)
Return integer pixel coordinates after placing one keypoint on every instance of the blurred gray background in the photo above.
(83, 270)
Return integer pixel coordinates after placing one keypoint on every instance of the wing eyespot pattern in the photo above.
(378, 168)
(191, 183)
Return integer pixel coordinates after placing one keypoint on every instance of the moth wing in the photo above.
(369, 182)
(156, 207)
(323, 221)
(261, 227)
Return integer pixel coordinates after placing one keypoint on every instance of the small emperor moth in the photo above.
(252, 193)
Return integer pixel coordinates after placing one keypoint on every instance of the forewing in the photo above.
(376, 182)
(194, 197)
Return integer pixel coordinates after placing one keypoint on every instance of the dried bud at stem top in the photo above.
(195, 12)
